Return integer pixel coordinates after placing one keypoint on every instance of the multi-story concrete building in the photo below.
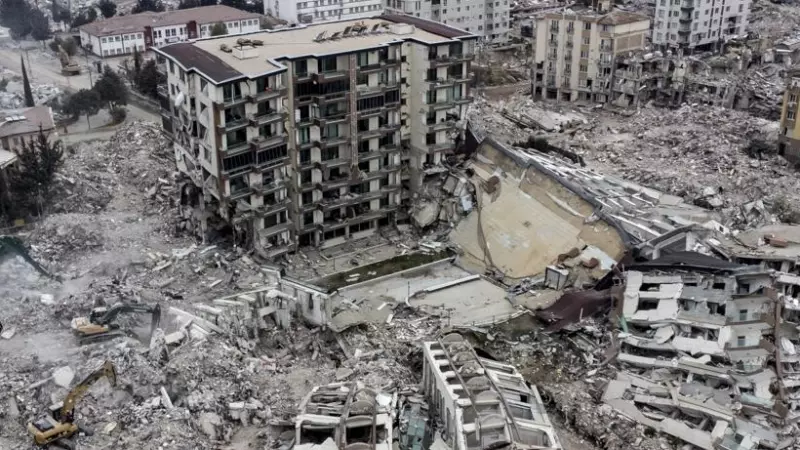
(315, 11)
(482, 403)
(122, 34)
(309, 140)
(698, 23)
(576, 50)
(789, 139)
(487, 18)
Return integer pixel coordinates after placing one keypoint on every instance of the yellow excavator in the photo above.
(101, 323)
(58, 427)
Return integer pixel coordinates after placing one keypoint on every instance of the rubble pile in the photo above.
(714, 157)
(13, 97)
(698, 153)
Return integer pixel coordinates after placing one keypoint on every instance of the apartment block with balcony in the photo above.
(698, 23)
(313, 142)
(576, 49)
(316, 11)
(488, 18)
(789, 138)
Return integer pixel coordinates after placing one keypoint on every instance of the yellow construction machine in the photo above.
(101, 323)
(58, 427)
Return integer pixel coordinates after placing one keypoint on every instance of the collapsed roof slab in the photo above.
(527, 217)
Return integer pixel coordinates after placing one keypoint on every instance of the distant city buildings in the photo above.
(487, 18)
(576, 50)
(316, 11)
(122, 35)
(698, 23)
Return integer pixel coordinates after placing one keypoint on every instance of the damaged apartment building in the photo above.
(576, 48)
(314, 135)
(709, 342)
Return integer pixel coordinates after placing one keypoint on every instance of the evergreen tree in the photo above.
(219, 29)
(40, 26)
(148, 5)
(26, 84)
(32, 177)
(149, 79)
(107, 8)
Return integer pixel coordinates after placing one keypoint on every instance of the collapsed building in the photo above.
(482, 403)
(708, 340)
(345, 416)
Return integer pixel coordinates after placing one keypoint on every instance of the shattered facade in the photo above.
(483, 403)
(709, 354)
(317, 150)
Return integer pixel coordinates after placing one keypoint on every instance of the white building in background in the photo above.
(315, 11)
(120, 35)
(694, 23)
(487, 18)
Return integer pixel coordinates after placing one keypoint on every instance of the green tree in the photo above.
(32, 177)
(219, 29)
(186, 4)
(84, 102)
(69, 45)
(137, 62)
(111, 89)
(149, 79)
(40, 26)
(147, 5)
(88, 15)
(238, 4)
(107, 8)
(14, 15)
(26, 84)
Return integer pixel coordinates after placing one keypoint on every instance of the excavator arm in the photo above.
(109, 315)
(9, 245)
(77, 393)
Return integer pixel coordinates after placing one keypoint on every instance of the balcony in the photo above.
(268, 94)
(366, 91)
(264, 189)
(335, 182)
(268, 210)
(236, 147)
(302, 76)
(331, 163)
(445, 104)
(324, 77)
(275, 229)
(552, 42)
(369, 134)
(231, 101)
(439, 147)
(328, 205)
(233, 124)
(266, 117)
(333, 118)
(439, 61)
(367, 156)
(685, 19)
(332, 97)
(439, 126)
(262, 142)
(463, 100)
(687, 5)
(325, 142)
(441, 82)
(370, 68)
(364, 113)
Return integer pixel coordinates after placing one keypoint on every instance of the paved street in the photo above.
(42, 72)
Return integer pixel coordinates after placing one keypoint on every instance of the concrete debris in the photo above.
(63, 377)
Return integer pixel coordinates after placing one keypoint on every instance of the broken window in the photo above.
(741, 341)
(742, 314)
(647, 304)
